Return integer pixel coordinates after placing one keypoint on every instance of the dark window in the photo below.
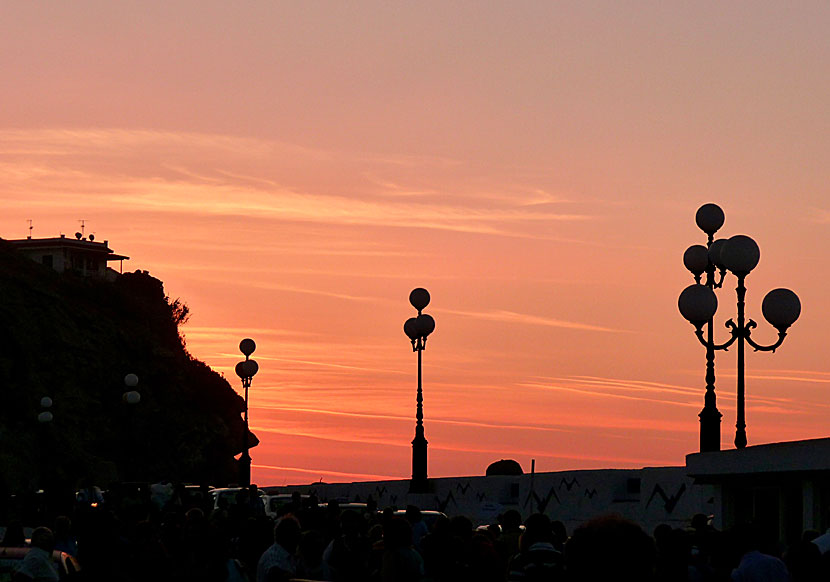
(46, 260)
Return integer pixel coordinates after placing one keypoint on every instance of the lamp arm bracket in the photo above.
(770, 348)
(724, 346)
(719, 283)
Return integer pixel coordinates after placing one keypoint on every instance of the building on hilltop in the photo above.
(80, 255)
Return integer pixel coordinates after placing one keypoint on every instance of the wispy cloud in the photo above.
(188, 173)
(502, 316)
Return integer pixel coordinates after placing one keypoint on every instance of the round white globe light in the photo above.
(781, 307)
(132, 397)
(709, 218)
(697, 303)
(131, 380)
(740, 254)
(46, 402)
(45, 417)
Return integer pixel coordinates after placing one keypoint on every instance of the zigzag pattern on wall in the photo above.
(541, 504)
(442, 505)
(590, 493)
(568, 484)
(669, 502)
(463, 488)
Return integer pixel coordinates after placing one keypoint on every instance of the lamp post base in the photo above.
(709, 429)
(245, 469)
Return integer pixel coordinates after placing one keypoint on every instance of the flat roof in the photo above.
(788, 457)
(73, 243)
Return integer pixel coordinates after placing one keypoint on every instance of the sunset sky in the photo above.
(292, 170)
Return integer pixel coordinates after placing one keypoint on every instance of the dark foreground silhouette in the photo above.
(172, 534)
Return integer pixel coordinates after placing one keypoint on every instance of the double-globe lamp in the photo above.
(698, 304)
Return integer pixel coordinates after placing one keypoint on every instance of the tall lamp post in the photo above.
(698, 304)
(709, 219)
(246, 370)
(417, 329)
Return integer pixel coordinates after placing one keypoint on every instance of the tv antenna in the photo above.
(83, 224)
(30, 228)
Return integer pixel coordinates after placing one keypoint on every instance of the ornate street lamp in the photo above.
(698, 304)
(709, 219)
(246, 370)
(417, 329)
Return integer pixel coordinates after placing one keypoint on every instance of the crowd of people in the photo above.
(167, 535)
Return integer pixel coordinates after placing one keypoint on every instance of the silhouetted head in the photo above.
(511, 520)
(287, 533)
(43, 538)
(397, 533)
(413, 514)
(610, 548)
(537, 529)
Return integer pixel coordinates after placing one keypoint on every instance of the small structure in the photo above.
(80, 255)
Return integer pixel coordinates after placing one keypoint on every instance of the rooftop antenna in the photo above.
(30, 228)
(83, 223)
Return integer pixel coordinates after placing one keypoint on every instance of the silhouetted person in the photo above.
(401, 563)
(538, 560)
(753, 565)
(38, 566)
(279, 563)
(609, 548)
(64, 538)
(508, 542)
(347, 556)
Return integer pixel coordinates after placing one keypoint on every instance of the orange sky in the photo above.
(293, 171)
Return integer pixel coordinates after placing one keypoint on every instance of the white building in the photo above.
(80, 255)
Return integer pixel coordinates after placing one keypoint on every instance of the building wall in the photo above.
(648, 496)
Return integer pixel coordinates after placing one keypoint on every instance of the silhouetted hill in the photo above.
(74, 340)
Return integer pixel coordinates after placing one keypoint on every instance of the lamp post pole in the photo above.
(698, 304)
(131, 397)
(709, 219)
(417, 329)
(246, 370)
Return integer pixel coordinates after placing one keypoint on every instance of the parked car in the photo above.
(11, 558)
(229, 494)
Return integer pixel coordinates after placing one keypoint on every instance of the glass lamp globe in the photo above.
(45, 417)
(247, 346)
(250, 368)
(740, 254)
(709, 218)
(697, 303)
(410, 328)
(46, 402)
(781, 307)
(132, 397)
(131, 380)
(419, 298)
(426, 324)
(715, 250)
(696, 259)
